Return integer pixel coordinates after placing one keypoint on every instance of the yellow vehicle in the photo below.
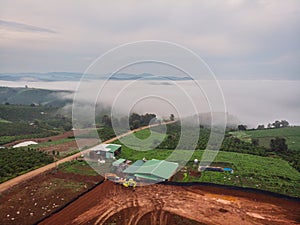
(129, 183)
(118, 180)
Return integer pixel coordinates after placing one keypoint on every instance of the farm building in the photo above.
(152, 170)
(105, 151)
(133, 167)
(118, 162)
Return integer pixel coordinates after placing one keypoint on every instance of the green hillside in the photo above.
(291, 134)
(146, 141)
(27, 96)
(21, 121)
(266, 173)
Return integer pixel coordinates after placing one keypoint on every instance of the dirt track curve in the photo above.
(10, 183)
(110, 203)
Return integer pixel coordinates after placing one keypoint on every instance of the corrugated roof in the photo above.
(106, 147)
(132, 168)
(149, 177)
(159, 168)
(118, 162)
(113, 147)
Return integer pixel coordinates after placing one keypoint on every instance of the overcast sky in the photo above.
(255, 39)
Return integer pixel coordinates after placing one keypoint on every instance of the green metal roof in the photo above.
(113, 148)
(132, 168)
(159, 168)
(149, 177)
(118, 162)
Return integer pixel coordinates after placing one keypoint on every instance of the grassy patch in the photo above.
(51, 143)
(143, 140)
(78, 167)
(242, 135)
(143, 134)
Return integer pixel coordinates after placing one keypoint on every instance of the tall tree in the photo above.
(277, 124)
(278, 145)
(172, 117)
(284, 123)
(255, 141)
(106, 120)
(260, 127)
(242, 127)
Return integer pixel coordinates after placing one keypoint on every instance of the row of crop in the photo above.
(16, 161)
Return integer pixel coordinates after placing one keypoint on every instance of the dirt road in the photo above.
(10, 183)
(110, 203)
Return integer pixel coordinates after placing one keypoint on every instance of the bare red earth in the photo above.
(38, 197)
(110, 203)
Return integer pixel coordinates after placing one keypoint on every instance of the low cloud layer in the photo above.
(252, 102)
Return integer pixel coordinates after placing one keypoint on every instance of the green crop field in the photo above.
(291, 134)
(266, 173)
(52, 143)
(17, 161)
(143, 140)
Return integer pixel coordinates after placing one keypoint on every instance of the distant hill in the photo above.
(28, 96)
(23, 121)
(67, 76)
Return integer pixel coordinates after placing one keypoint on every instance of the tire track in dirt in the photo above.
(157, 204)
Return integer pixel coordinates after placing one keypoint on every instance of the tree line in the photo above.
(134, 121)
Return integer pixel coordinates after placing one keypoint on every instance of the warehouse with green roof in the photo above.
(153, 170)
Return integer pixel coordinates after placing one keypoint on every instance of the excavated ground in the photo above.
(110, 203)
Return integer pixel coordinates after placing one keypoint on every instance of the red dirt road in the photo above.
(110, 203)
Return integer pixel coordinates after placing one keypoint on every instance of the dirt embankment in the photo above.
(110, 203)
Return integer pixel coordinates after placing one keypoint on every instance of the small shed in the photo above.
(106, 151)
(118, 162)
